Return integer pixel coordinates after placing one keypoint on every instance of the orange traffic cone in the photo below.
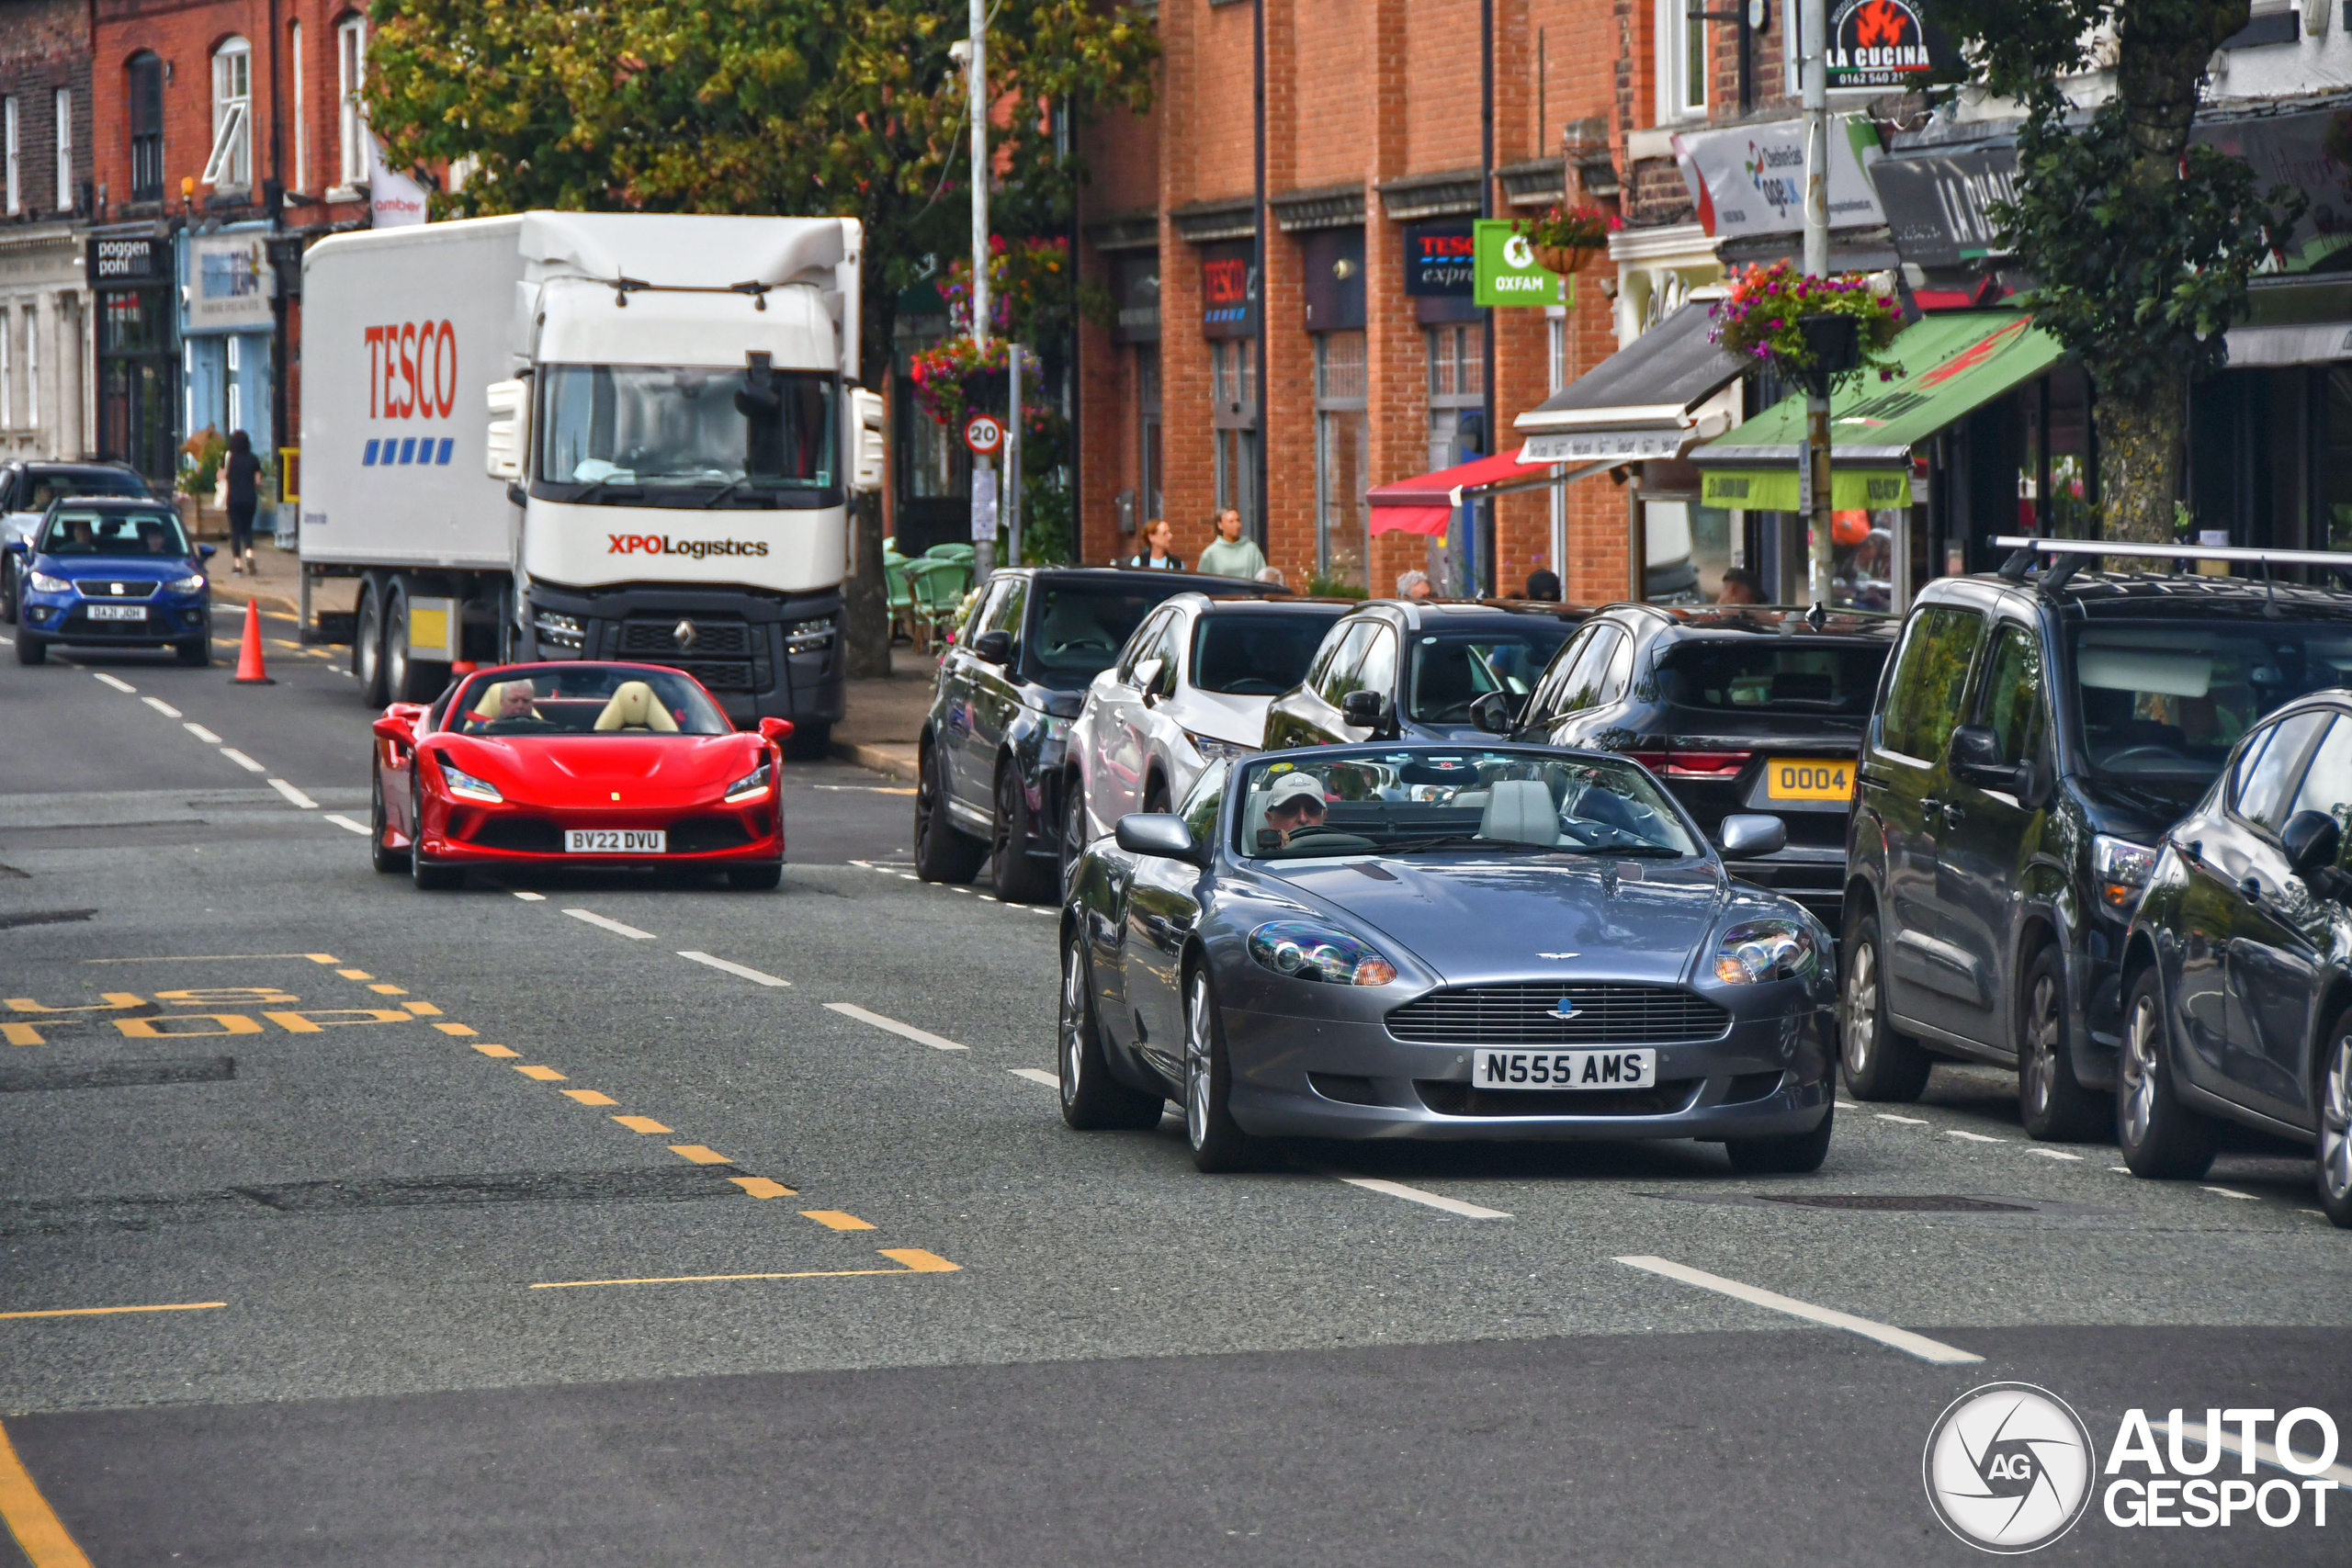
(249, 665)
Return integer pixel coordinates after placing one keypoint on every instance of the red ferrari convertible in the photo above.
(576, 764)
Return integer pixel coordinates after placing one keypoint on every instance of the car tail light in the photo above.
(1706, 764)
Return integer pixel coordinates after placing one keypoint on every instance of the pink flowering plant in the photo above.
(945, 375)
(1760, 318)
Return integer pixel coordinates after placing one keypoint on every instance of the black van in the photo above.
(2032, 739)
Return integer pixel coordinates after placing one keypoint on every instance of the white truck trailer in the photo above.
(589, 435)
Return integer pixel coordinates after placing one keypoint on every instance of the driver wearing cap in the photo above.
(1294, 804)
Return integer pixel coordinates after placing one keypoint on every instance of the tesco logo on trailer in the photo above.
(413, 370)
(412, 374)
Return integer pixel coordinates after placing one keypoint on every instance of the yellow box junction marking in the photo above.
(384, 990)
(495, 1050)
(31, 1520)
(354, 974)
(21, 1034)
(699, 1155)
(327, 958)
(590, 1096)
(459, 1029)
(911, 1259)
(152, 1028)
(835, 1219)
(761, 1187)
(640, 1125)
(545, 1074)
(317, 1020)
(421, 1009)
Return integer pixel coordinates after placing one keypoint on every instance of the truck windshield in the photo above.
(674, 428)
(2163, 703)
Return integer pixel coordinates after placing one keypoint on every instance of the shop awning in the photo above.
(1951, 366)
(1425, 503)
(2311, 343)
(1638, 403)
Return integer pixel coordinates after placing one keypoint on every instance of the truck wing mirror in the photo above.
(866, 433)
(503, 450)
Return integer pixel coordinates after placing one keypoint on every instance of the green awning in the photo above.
(1951, 366)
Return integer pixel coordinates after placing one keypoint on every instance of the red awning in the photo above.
(1425, 504)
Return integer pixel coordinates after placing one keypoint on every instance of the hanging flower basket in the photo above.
(1567, 239)
(1762, 318)
(956, 375)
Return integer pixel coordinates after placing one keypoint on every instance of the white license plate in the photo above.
(118, 612)
(1565, 1069)
(616, 841)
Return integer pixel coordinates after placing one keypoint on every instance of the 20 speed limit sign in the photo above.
(984, 434)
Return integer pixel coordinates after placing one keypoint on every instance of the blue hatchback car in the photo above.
(110, 572)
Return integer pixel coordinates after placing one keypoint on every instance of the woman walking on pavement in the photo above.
(1160, 551)
(1231, 554)
(243, 472)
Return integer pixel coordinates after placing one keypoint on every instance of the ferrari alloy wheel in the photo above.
(2051, 1105)
(2160, 1137)
(1091, 1101)
(943, 852)
(383, 859)
(1012, 871)
(2335, 1127)
(428, 877)
(1880, 1063)
(1790, 1154)
(1218, 1142)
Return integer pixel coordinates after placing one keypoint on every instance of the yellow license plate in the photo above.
(1807, 778)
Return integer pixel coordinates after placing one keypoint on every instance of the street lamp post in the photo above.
(1813, 480)
(983, 470)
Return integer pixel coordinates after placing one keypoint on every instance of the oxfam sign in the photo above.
(1505, 271)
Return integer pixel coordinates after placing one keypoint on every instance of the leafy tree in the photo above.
(2139, 242)
(796, 106)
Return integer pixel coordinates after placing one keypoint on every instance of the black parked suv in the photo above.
(26, 490)
(2237, 975)
(1737, 712)
(2032, 742)
(1010, 687)
(1412, 670)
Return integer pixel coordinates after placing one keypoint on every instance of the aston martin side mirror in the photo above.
(1159, 833)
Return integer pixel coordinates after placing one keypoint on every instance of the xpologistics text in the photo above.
(660, 545)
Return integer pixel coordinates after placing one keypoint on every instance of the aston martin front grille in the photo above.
(1530, 1014)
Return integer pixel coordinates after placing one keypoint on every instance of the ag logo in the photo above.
(2009, 1468)
(1518, 253)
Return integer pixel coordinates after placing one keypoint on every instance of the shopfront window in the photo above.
(1233, 377)
(1343, 458)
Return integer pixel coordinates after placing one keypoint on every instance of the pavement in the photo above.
(592, 1217)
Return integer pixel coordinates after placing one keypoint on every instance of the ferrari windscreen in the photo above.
(1511, 802)
(584, 699)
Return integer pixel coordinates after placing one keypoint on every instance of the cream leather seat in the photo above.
(491, 696)
(1520, 811)
(634, 706)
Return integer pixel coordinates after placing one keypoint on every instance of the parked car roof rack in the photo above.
(2074, 553)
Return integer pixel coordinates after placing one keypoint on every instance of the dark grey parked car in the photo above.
(1010, 688)
(1397, 669)
(1434, 940)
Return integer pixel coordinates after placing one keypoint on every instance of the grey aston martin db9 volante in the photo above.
(1440, 941)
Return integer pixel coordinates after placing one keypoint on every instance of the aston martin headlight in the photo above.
(2120, 869)
(1756, 951)
(193, 584)
(463, 782)
(1306, 950)
(1212, 749)
(42, 583)
(751, 786)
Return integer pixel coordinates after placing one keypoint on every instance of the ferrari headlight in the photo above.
(1756, 951)
(1306, 950)
(1212, 749)
(2120, 869)
(463, 782)
(42, 583)
(185, 584)
(751, 786)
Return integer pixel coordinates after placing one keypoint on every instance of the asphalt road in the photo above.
(484, 1231)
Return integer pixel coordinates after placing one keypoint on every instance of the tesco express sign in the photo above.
(411, 371)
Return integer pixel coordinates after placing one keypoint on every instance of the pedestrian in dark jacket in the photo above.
(244, 472)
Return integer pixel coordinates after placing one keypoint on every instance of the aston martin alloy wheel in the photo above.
(2160, 1137)
(1880, 1063)
(1091, 1101)
(2335, 1127)
(1218, 1142)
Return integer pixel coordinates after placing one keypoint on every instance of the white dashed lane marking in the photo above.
(740, 972)
(529, 897)
(1906, 1120)
(1902, 1340)
(1416, 1195)
(106, 680)
(161, 707)
(296, 795)
(242, 760)
(905, 1031)
(344, 822)
(615, 927)
(203, 734)
(1036, 1075)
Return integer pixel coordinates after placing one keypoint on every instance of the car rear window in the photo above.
(1080, 626)
(1741, 675)
(1256, 654)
